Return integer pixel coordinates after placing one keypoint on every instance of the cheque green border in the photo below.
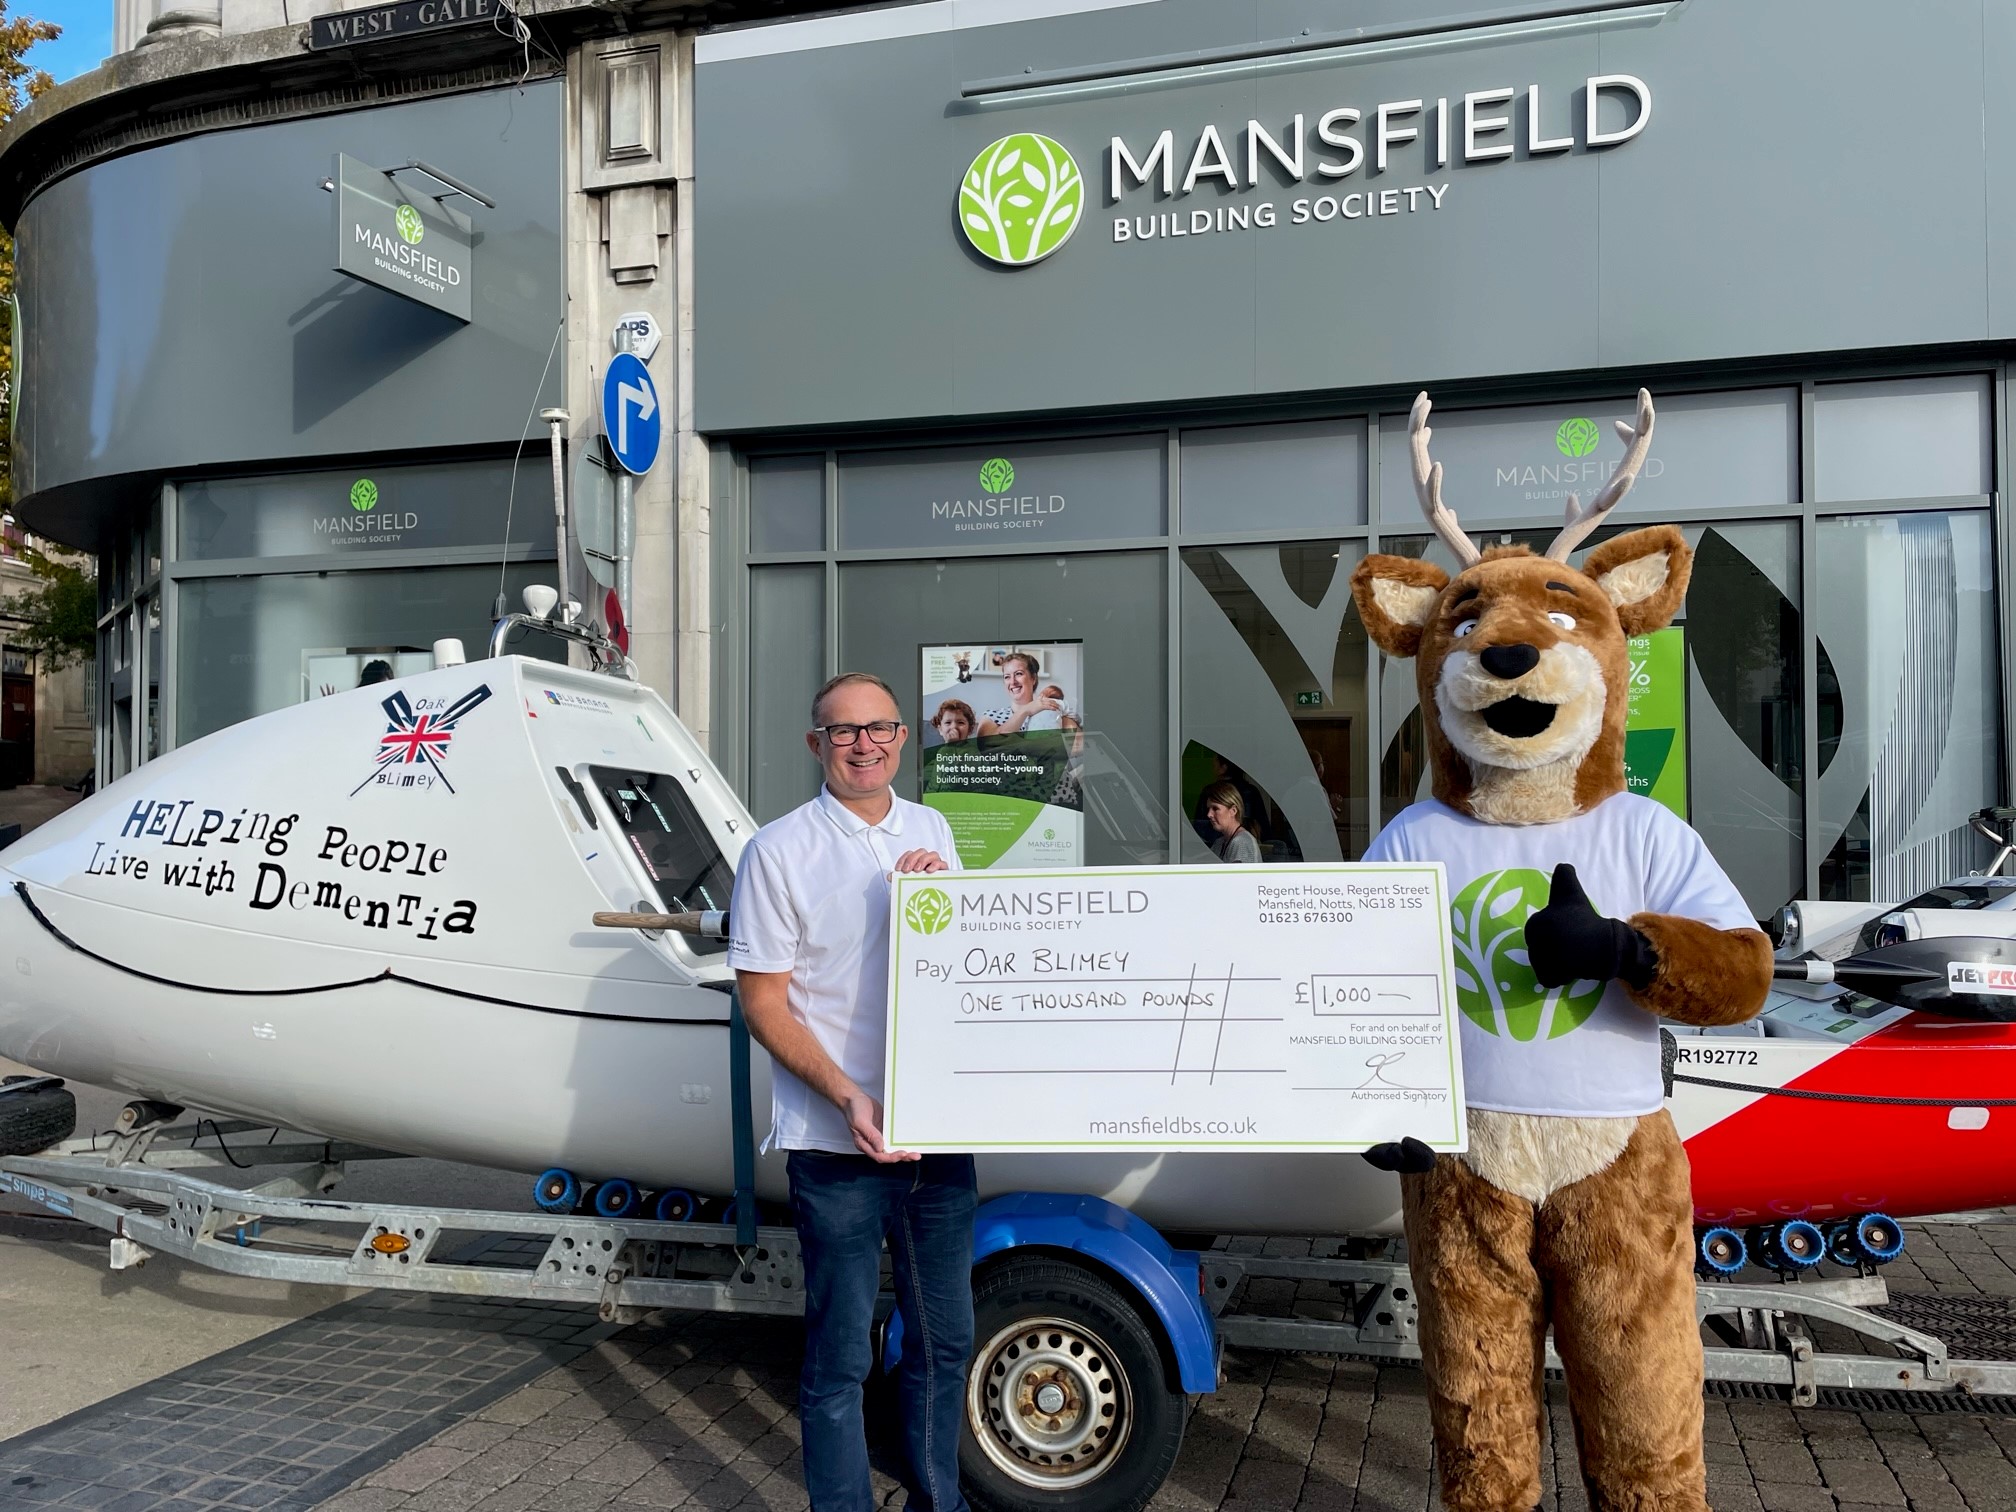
(1453, 1144)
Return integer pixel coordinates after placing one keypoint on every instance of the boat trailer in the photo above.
(162, 1188)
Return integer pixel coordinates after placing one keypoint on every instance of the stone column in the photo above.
(632, 172)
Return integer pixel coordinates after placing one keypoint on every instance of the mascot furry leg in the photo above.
(1572, 1206)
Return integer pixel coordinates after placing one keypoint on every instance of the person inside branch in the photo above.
(810, 947)
(1225, 812)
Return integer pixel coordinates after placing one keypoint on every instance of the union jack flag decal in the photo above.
(416, 740)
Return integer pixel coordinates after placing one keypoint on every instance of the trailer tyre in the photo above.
(30, 1122)
(1069, 1406)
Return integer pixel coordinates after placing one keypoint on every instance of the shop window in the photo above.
(1274, 698)
(787, 663)
(249, 645)
(1902, 438)
(1908, 625)
(1109, 609)
(787, 503)
(1709, 451)
(367, 508)
(1274, 477)
(975, 498)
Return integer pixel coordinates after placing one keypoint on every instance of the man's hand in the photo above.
(1568, 941)
(864, 1122)
(921, 861)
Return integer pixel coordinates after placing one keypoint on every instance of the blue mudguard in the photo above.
(1165, 1279)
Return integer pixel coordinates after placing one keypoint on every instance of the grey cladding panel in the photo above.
(1812, 179)
(1495, 280)
(1812, 182)
(824, 252)
(184, 311)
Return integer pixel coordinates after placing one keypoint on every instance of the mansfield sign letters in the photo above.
(407, 243)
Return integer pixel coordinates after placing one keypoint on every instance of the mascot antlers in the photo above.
(1571, 1207)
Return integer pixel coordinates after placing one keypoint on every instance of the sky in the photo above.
(87, 34)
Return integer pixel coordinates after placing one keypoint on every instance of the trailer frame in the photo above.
(150, 1188)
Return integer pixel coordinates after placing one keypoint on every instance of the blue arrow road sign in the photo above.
(630, 413)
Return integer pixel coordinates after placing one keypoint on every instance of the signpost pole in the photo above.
(626, 516)
(556, 421)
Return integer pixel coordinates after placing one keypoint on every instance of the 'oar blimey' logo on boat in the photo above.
(415, 744)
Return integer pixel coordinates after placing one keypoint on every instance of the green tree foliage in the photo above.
(59, 616)
(19, 82)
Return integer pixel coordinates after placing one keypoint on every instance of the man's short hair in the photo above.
(832, 683)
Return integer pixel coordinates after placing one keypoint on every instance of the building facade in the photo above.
(293, 459)
(1095, 326)
(1083, 325)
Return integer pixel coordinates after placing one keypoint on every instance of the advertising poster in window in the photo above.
(1000, 731)
(1655, 728)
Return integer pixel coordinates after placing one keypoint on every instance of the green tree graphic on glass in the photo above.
(1495, 985)
(1020, 200)
(363, 494)
(927, 910)
(997, 475)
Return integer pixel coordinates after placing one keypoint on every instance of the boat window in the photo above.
(671, 841)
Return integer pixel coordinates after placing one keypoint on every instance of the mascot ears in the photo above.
(1396, 597)
(1644, 573)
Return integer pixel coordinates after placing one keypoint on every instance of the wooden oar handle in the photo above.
(709, 926)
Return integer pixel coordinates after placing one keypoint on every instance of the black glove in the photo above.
(1409, 1157)
(1568, 941)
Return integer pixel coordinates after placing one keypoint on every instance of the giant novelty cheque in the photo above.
(1173, 1008)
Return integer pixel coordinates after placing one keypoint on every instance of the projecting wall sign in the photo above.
(399, 239)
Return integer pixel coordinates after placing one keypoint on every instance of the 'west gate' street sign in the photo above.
(406, 242)
(345, 28)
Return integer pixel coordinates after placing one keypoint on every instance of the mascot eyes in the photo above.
(1562, 621)
(1465, 628)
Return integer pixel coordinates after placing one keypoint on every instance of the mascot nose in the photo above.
(1509, 661)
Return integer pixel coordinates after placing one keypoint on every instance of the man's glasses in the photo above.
(882, 731)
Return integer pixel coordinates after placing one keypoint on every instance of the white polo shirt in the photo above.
(812, 898)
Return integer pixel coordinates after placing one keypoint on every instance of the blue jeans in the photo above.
(845, 1206)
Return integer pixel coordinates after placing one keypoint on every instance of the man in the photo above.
(811, 952)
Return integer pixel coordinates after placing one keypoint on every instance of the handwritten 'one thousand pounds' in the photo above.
(1173, 1008)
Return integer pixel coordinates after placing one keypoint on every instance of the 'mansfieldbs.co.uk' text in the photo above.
(1172, 1126)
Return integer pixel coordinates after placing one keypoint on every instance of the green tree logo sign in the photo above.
(1577, 437)
(406, 220)
(928, 910)
(363, 495)
(997, 475)
(1495, 985)
(1021, 199)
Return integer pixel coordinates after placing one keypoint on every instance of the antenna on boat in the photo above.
(556, 422)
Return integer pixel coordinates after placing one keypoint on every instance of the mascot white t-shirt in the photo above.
(1584, 1050)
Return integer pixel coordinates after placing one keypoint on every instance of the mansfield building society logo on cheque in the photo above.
(1023, 196)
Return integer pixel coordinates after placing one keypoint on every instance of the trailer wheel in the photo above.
(32, 1121)
(1068, 1405)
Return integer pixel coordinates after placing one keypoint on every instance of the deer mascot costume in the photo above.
(1572, 1204)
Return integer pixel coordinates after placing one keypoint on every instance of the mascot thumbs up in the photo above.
(1582, 915)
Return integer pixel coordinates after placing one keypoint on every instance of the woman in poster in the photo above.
(1027, 700)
